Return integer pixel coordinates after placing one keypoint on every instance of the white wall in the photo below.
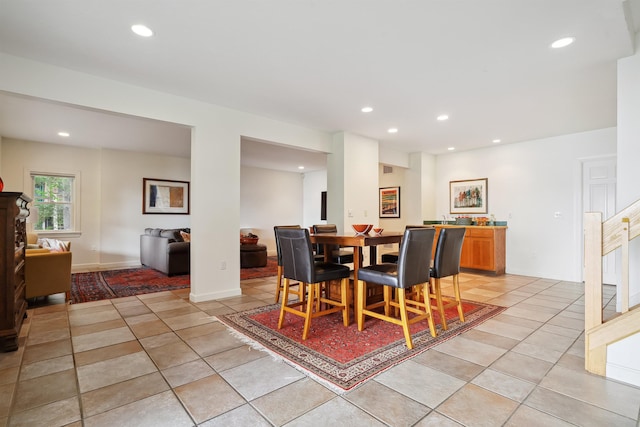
(394, 179)
(527, 184)
(623, 357)
(628, 190)
(269, 198)
(111, 218)
(121, 217)
(314, 184)
(21, 157)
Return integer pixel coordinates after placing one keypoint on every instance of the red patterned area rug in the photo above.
(271, 269)
(99, 285)
(344, 357)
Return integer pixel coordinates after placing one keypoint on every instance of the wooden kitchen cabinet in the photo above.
(484, 248)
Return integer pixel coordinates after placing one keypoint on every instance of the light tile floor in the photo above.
(159, 360)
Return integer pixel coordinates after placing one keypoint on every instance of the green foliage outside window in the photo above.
(53, 198)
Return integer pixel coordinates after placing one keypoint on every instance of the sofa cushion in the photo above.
(153, 231)
(186, 237)
(171, 234)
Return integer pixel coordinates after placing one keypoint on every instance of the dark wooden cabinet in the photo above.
(13, 238)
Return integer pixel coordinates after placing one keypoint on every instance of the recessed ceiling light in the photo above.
(495, 141)
(142, 30)
(393, 130)
(451, 148)
(64, 134)
(442, 117)
(366, 109)
(563, 42)
(300, 167)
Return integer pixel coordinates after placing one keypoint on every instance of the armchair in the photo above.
(47, 272)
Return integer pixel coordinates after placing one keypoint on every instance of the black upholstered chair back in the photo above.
(275, 230)
(446, 261)
(297, 254)
(325, 229)
(415, 256)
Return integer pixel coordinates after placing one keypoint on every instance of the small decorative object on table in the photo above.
(378, 231)
(362, 228)
(1, 184)
(482, 220)
(248, 239)
(463, 220)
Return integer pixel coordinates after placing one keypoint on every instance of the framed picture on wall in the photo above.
(468, 196)
(162, 196)
(390, 202)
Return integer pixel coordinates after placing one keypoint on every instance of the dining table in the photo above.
(358, 242)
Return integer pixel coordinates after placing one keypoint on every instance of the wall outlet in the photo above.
(223, 265)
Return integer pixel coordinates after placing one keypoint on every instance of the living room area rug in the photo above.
(271, 269)
(342, 357)
(107, 284)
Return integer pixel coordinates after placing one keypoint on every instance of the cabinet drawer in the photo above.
(479, 232)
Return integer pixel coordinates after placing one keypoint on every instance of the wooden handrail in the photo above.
(613, 233)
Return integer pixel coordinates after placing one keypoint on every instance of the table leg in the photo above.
(373, 255)
(356, 267)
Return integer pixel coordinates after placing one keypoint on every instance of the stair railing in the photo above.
(600, 239)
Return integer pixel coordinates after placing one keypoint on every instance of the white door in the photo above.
(599, 195)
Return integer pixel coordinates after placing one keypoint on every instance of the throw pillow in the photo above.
(54, 244)
(185, 236)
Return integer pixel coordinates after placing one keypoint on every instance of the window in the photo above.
(54, 202)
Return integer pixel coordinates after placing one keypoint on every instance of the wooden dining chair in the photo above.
(298, 264)
(446, 262)
(411, 270)
(279, 286)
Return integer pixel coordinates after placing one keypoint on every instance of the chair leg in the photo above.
(345, 300)
(314, 293)
(302, 291)
(438, 293)
(361, 297)
(279, 283)
(285, 299)
(427, 307)
(387, 291)
(67, 296)
(456, 289)
(404, 317)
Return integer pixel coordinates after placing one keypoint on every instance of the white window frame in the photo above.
(75, 201)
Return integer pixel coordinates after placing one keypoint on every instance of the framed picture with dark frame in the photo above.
(390, 202)
(468, 196)
(163, 196)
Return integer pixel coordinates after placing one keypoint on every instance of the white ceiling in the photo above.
(487, 64)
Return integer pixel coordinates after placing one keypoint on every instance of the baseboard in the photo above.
(210, 296)
(79, 268)
(623, 374)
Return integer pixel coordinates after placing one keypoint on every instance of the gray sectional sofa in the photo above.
(165, 250)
